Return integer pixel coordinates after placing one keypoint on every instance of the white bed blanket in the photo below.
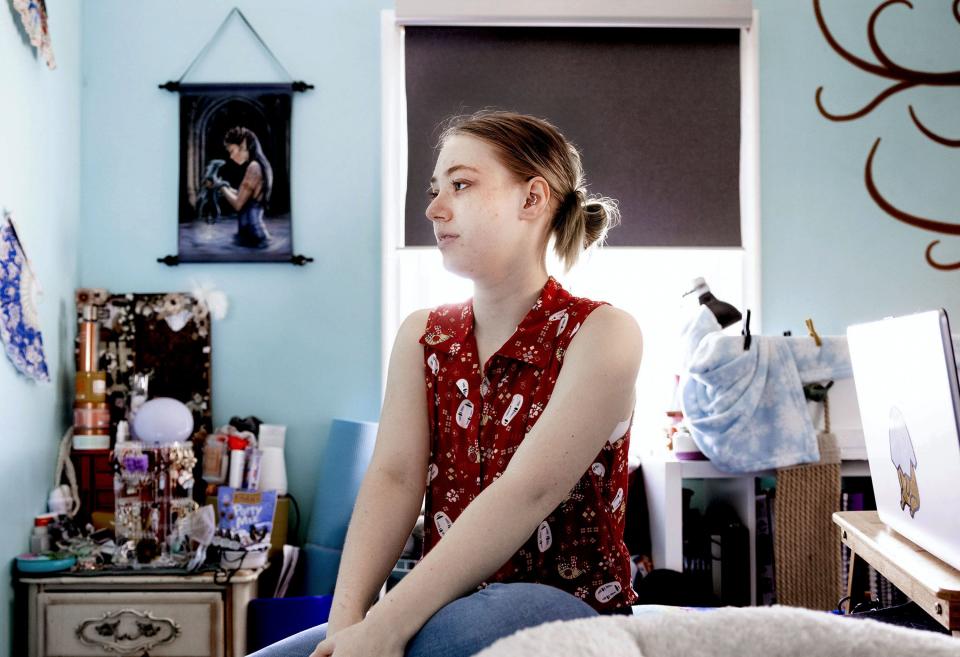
(741, 632)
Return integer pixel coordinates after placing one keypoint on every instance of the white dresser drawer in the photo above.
(168, 624)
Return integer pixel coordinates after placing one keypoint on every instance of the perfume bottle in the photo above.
(91, 415)
(91, 384)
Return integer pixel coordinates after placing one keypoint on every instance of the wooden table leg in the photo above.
(857, 587)
(853, 560)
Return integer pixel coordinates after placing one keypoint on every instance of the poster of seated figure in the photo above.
(235, 173)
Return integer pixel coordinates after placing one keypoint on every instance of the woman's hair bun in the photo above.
(600, 214)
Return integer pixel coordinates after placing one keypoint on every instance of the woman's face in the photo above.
(238, 153)
(476, 210)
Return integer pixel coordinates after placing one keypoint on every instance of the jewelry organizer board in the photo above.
(165, 335)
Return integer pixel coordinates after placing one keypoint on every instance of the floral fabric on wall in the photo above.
(33, 14)
(19, 326)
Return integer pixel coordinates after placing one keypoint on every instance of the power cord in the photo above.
(866, 605)
(296, 524)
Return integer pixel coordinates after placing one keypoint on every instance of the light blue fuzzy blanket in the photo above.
(746, 409)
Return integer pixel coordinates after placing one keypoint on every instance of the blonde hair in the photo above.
(529, 146)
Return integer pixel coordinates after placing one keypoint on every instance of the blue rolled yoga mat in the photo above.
(342, 467)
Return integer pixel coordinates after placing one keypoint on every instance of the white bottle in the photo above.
(138, 396)
(273, 470)
(237, 463)
(123, 431)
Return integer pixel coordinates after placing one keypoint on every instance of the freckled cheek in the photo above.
(484, 231)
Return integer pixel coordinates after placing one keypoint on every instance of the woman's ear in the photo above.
(536, 203)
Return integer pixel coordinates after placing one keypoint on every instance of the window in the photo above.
(655, 112)
(708, 229)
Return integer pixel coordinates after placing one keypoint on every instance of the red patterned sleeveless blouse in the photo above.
(478, 420)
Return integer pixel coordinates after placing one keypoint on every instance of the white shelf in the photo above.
(663, 476)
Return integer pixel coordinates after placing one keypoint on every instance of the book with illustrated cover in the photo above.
(246, 515)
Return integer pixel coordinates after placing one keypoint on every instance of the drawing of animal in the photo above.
(208, 197)
(904, 459)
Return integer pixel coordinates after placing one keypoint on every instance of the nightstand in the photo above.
(134, 614)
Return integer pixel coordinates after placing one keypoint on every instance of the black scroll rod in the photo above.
(296, 85)
(299, 260)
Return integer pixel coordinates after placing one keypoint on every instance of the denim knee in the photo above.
(471, 623)
(531, 598)
(298, 645)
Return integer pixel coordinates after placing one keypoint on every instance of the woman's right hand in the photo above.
(369, 638)
(338, 624)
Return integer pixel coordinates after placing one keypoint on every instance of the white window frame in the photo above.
(550, 13)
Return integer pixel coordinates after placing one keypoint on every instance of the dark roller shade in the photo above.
(654, 111)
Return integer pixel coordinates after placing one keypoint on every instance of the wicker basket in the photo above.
(806, 543)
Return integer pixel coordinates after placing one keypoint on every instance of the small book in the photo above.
(246, 515)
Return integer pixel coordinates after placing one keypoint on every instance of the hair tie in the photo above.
(577, 197)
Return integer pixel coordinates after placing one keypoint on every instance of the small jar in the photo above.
(40, 536)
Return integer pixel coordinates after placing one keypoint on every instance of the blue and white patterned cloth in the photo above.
(19, 328)
(746, 409)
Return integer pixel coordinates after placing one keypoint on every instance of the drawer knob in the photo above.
(127, 631)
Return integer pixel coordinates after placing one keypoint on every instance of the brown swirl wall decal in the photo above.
(903, 79)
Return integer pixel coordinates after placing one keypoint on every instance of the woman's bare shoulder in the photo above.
(406, 359)
(610, 320)
(612, 331)
(414, 326)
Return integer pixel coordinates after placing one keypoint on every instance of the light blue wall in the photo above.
(39, 183)
(299, 345)
(828, 251)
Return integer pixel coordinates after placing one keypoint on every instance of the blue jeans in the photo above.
(467, 625)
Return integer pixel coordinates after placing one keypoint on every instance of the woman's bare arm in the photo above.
(594, 392)
(391, 494)
(250, 183)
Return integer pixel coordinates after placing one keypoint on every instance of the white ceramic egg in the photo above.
(163, 420)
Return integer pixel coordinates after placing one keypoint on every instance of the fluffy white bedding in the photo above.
(743, 632)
